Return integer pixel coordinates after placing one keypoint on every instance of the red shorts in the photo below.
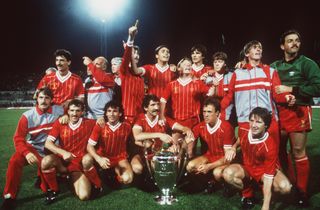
(190, 123)
(74, 165)
(212, 158)
(295, 119)
(114, 161)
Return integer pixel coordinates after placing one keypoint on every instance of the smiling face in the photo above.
(62, 63)
(197, 57)
(74, 112)
(163, 55)
(257, 126)
(185, 67)
(113, 115)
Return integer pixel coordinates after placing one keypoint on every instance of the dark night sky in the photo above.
(32, 30)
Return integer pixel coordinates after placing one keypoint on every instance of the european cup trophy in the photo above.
(165, 168)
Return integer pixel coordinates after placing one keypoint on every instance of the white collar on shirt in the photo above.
(152, 123)
(114, 127)
(163, 68)
(184, 82)
(213, 129)
(61, 78)
(259, 140)
(197, 68)
(75, 126)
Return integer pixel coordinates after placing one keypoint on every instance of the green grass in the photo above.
(131, 198)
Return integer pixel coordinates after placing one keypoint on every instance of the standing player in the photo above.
(64, 84)
(132, 85)
(185, 94)
(300, 76)
(107, 146)
(219, 136)
(260, 161)
(198, 54)
(100, 92)
(37, 123)
(148, 133)
(158, 75)
(67, 155)
(220, 80)
(254, 85)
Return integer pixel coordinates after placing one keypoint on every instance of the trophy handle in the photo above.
(182, 161)
(148, 163)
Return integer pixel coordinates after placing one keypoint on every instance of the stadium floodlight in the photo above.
(105, 9)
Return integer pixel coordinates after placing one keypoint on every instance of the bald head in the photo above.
(101, 63)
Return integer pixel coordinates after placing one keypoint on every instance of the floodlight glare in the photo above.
(105, 9)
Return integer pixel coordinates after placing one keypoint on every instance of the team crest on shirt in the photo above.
(65, 133)
(303, 124)
(175, 90)
(53, 85)
(105, 133)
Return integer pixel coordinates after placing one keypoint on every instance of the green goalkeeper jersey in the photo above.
(303, 74)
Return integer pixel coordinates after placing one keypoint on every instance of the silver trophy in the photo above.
(166, 168)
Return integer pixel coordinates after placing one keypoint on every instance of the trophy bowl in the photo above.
(166, 168)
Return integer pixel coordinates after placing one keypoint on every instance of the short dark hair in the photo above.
(77, 103)
(147, 99)
(263, 113)
(64, 53)
(214, 101)
(156, 51)
(46, 91)
(219, 56)
(201, 48)
(288, 32)
(113, 104)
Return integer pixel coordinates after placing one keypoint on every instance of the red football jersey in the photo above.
(63, 87)
(198, 71)
(132, 87)
(185, 96)
(260, 156)
(146, 125)
(111, 139)
(218, 137)
(73, 137)
(158, 78)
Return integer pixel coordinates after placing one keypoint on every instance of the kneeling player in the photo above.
(219, 136)
(107, 146)
(148, 133)
(67, 155)
(260, 162)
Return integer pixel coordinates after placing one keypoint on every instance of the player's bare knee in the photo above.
(47, 162)
(228, 175)
(217, 174)
(190, 166)
(127, 178)
(284, 187)
(137, 168)
(87, 162)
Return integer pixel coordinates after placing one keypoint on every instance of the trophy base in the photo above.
(165, 199)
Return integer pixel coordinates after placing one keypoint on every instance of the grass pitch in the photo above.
(131, 198)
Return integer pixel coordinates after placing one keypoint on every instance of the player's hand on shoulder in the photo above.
(101, 122)
(64, 119)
